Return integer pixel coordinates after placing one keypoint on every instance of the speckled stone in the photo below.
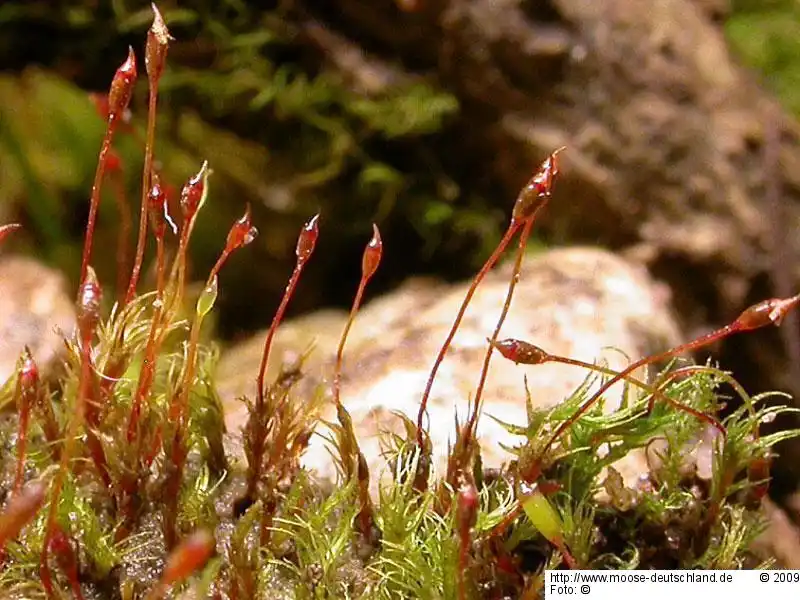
(35, 311)
(580, 302)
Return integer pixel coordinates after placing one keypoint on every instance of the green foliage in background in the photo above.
(291, 135)
(766, 33)
(285, 131)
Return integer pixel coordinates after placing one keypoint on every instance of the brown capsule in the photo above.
(190, 555)
(5, 230)
(28, 372)
(157, 206)
(192, 192)
(25, 396)
(21, 510)
(122, 87)
(520, 352)
(155, 53)
(758, 475)
(538, 189)
(372, 254)
(89, 299)
(362, 472)
(307, 240)
(241, 233)
(766, 312)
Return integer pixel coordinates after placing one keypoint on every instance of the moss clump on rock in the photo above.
(117, 483)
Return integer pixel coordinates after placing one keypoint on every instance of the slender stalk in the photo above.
(306, 242)
(241, 233)
(531, 198)
(154, 340)
(159, 217)
(155, 337)
(654, 392)
(25, 393)
(370, 262)
(513, 227)
(124, 233)
(95, 200)
(767, 312)
(353, 461)
(193, 197)
(512, 284)
(118, 100)
(88, 317)
(158, 38)
(245, 233)
(259, 423)
(525, 353)
(148, 166)
(460, 456)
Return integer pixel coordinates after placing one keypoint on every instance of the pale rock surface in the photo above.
(581, 302)
(35, 311)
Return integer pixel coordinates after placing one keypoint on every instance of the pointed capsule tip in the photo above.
(555, 155)
(372, 254)
(91, 275)
(201, 177)
(783, 308)
(7, 229)
(156, 13)
(159, 27)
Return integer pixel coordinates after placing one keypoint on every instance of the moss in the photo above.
(283, 129)
(130, 446)
(766, 35)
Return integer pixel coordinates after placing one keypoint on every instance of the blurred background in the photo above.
(426, 117)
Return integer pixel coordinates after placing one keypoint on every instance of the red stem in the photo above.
(654, 392)
(337, 374)
(21, 400)
(124, 233)
(276, 320)
(95, 199)
(705, 340)
(523, 242)
(58, 482)
(146, 176)
(509, 234)
(153, 345)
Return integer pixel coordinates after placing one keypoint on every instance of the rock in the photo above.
(780, 539)
(673, 147)
(579, 302)
(35, 311)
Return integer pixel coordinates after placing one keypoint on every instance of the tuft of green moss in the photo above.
(141, 493)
